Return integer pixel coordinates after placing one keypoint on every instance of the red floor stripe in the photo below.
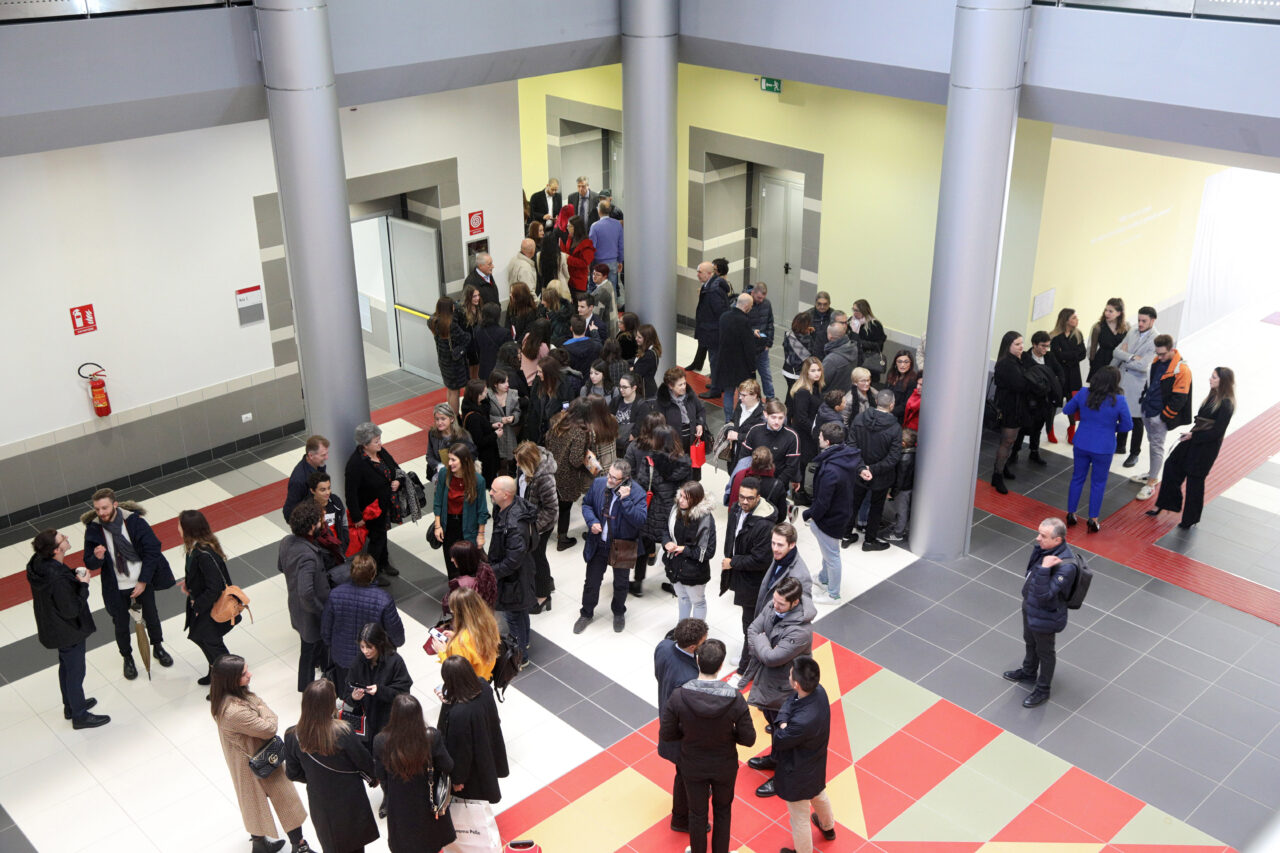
(14, 589)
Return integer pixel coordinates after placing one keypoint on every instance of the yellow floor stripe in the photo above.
(826, 660)
(605, 818)
(1038, 847)
(1152, 826)
(846, 801)
(764, 741)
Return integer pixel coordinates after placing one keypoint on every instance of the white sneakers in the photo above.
(1146, 492)
(1138, 478)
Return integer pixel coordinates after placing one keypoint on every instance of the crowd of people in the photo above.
(555, 401)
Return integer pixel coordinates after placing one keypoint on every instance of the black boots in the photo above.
(997, 483)
(1037, 458)
(1008, 475)
(262, 845)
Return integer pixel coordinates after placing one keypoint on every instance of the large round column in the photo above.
(302, 108)
(649, 30)
(982, 109)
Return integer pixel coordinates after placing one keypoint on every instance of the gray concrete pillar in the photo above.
(987, 55)
(649, 29)
(302, 107)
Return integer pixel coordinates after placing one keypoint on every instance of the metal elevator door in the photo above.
(781, 220)
(417, 282)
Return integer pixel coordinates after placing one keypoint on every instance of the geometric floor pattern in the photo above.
(908, 773)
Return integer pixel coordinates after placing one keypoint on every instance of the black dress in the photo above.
(392, 678)
(473, 737)
(335, 791)
(1107, 343)
(412, 826)
(1069, 352)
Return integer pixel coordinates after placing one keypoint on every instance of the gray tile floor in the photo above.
(1167, 695)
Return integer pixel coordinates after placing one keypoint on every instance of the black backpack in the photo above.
(1079, 586)
(506, 667)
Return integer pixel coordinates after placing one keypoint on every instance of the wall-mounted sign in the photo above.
(249, 304)
(83, 319)
(771, 84)
(475, 222)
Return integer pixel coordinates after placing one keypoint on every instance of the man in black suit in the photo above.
(674, 664)
(481, 278)
(544, 207)
(584, 202)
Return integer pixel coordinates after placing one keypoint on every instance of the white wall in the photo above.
(159, 232)
(366, 243)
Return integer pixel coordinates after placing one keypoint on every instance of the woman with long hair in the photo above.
(490, 337)
(445, 432)
(645, 365)
(452, 344)
(1068, 347)
(1197, 450)
(407, 757)
(604, 430)
(1104, 414)
(504, 416)
(871, 334)
(1013, 404)
(535, 346)
(469, 315)
(599, 383)
(557, 311)
(580, 254)
(323, 753)
(521, 310)
(616, 366)
(461, 503)
(474, 572)
(690, 542)
(377, 677)
(206, 577)
(474, 634)
(1107, 334)
(547, 398)
(902, 381)
(245, 725)
(472, 732)
(348, 611)
(477, 421)
(569, 441)
(659, 464)
(797, 345)
(629, 325)
(536, 483)
(805, 399)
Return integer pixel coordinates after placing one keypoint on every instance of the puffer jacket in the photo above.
(1044, 591)
(540, 492)
(775, 642)
(692, 566)
(350, 608)
(662, 478)
(511, 555)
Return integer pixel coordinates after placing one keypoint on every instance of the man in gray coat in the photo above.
(840, 359)
(1133, 358)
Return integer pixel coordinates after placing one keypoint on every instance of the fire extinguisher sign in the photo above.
(83, 319)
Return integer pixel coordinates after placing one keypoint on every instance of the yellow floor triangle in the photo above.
(843, 789)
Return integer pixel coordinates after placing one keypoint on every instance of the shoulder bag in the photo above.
(267, 760)
(231, 602)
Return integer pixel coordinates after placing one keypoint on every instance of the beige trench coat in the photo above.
(243, 728)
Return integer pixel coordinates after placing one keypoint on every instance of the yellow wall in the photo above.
(599, 86)
(1116, 223)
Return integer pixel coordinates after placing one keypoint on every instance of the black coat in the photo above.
(738, 349)
(392, 678)
(801, 414)
(672, 667)
(662, 478)
(61, 603)
(593, 202)
(800, 737)
(335, 791)
(692, 566)
(1013, 400)
(713, 301)
(645, 367)
(475, 420)
(488, 289)
(1069, 352)
(489, 339)
(693, 407)
(709, 719)
(472, 735)
(748, 553)
(1106, 341)
(538, 211)
(412, 826)
(1046, 381)
(366, 485)
(818, 340)
(582, 353)
(511, 555)
(877, 436)
(549, 258)
(206, 578)
(1201, 449)
(761, 316)
(156, 573)
(451, 355)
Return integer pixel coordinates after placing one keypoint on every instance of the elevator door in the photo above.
(417, 282)
(778, 253)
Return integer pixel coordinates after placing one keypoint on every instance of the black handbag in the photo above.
(267, 760)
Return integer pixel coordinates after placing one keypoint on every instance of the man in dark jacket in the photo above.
(839, 359)
(675, 663)
(583, 349)
(1046, 379)
(877, 435)
(544, 206)
(761, 316)
(781, 633)
(820, 316)
(118, 541)
(613, 509)
(800, 737)
(746, 553)
(736, 361)
(1166, 405)
(511, 555)
(709, 719)
(481, 278)
(713, 301)
(60, 598)
(832, 511)
(313, 459)
(1050, 577)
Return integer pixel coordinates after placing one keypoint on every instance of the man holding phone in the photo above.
(615, 512)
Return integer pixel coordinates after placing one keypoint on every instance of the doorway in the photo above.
(780, 202)
(591, 152)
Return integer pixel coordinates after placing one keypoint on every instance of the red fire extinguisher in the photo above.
(97, 388)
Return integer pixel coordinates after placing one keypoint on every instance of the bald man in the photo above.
(713, 302)
(511, 555)
(522, 267)
(739, 346)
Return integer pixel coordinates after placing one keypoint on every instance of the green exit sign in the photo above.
(771, 84)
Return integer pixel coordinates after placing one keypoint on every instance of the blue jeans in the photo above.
(1101, 465)
(726, 402)
(766, 377)
(693, 600)
(831, 566)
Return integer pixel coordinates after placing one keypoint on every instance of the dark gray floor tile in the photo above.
(907, 655)
(1001, 578)
(1158, 615)
(1105, 593)
(1161, 683)
(965, 684)
(1031, 724)
(1199, 747)
(854, 629)
(993, 547)
(596, 723)
(1079, 622)
(1250, 686)
(1074, 686)
(946, 628)
(1230, 818)
(420, 607)
(1127, 713)
(1271, 743)
(1164, 784)
(579, 675)
(1127, 633)
(5, 820)
(967, 565)
(1262, 660)
(1089, 746)
(993, 652)
(1188, 599)
(981, 602)
(1115, 571)
(1009, 528)
(1098, 655)
(1231, 714)
(1187, 659)
(624, 705)
(892, 603)
(13, 840)
(547, 690)
(1257, 777)
(23, 532)
(1212, 636)
(929, 579)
